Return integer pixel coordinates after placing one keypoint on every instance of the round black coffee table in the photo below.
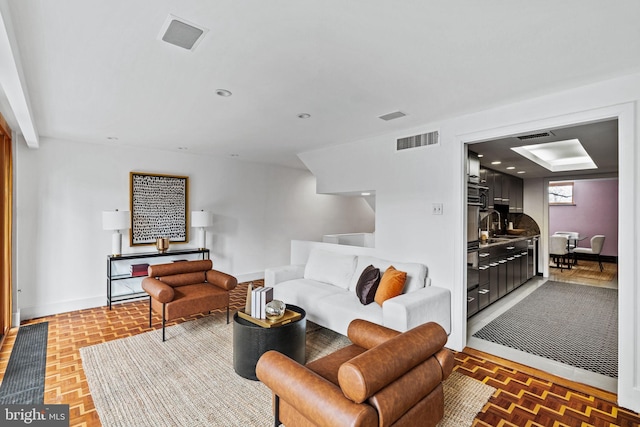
(250, 341)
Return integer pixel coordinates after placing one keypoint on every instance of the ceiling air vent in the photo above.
(392, 116)
(535, 135)
(421, 140)
(181, 33)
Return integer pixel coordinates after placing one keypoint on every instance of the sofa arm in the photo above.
(303, 389)
(275, 275)
(158, 290)
(429, 304)
(221, 280)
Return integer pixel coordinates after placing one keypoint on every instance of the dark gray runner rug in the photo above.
(573, 324)
(23, 381)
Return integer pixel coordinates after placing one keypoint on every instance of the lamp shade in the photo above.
(115, 220)
(200, 219)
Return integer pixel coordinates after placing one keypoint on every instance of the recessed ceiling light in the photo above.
(496, 163)
(304, 115)
(223, 92)
(558, 156)
(511, 167)
(521, 172)
(480, 155)
(365, 194)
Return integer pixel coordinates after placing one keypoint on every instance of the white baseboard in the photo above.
(15, 319)
(250, 276)
(61, 307)
(26, 313)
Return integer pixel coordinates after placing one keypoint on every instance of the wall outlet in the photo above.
(437, 209)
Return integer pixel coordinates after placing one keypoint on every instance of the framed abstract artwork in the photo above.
(159, 205)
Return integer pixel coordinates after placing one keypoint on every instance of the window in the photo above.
(561, 193)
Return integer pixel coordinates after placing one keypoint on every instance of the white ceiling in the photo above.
(98, 69)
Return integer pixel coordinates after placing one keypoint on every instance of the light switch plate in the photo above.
(437, 209)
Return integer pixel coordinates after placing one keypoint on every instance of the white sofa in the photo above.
(325, 288)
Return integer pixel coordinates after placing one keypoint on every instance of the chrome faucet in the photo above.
(488, 217)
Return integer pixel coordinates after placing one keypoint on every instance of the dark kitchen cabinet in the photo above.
(472, 301)
(504, 189)
(496, 271)
(502, 277)
(489, 176)
(515, 194)
(484, 279)
(523, 251)
(493, 281)
(496, 182)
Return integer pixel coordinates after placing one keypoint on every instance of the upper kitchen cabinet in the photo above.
(504, 190)
(515, 194)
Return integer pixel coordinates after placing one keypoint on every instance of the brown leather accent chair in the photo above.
(385, 378)
(183, 288)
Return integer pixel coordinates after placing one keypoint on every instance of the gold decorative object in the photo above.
(162, 244)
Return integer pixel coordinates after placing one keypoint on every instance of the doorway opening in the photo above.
(597, 137)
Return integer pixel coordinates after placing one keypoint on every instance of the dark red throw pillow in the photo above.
(368, 284)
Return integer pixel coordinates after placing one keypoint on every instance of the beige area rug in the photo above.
(189, 379)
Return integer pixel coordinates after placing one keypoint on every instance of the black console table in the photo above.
(127, 286)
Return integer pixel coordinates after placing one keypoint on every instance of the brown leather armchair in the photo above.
(385, 378)
(183, 288)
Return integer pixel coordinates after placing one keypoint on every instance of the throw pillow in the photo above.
(368, 285)
(391, 285)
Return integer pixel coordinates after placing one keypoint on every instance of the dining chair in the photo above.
(597, 242)
(572, 237)
(559, 250)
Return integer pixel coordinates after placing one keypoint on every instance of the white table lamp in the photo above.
(116, 221)
(200, 220)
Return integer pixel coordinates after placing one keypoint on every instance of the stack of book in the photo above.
(259, 299)
(137, 270)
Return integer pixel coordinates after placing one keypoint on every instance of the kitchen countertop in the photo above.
(504, 240)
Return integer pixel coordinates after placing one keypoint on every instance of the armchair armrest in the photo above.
(303, 389)
(446, 360)
(221, 280)
(158, 290)
(428, 304)
(275, 275)
(367, 334)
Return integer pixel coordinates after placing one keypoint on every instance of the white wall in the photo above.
(407, 183)
(534, 203)
(63, 187)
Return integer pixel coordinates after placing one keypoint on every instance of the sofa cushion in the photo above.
(391, 285)
(303, 292)
(416, 272)
(336, 311)
(330, 267)
(368, 284)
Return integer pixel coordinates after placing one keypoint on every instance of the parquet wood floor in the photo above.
(587, 272)
(523, 398)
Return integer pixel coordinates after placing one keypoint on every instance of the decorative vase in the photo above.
(162, 244)
(274, 310)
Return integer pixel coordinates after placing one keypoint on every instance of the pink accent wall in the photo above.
(595, 212)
